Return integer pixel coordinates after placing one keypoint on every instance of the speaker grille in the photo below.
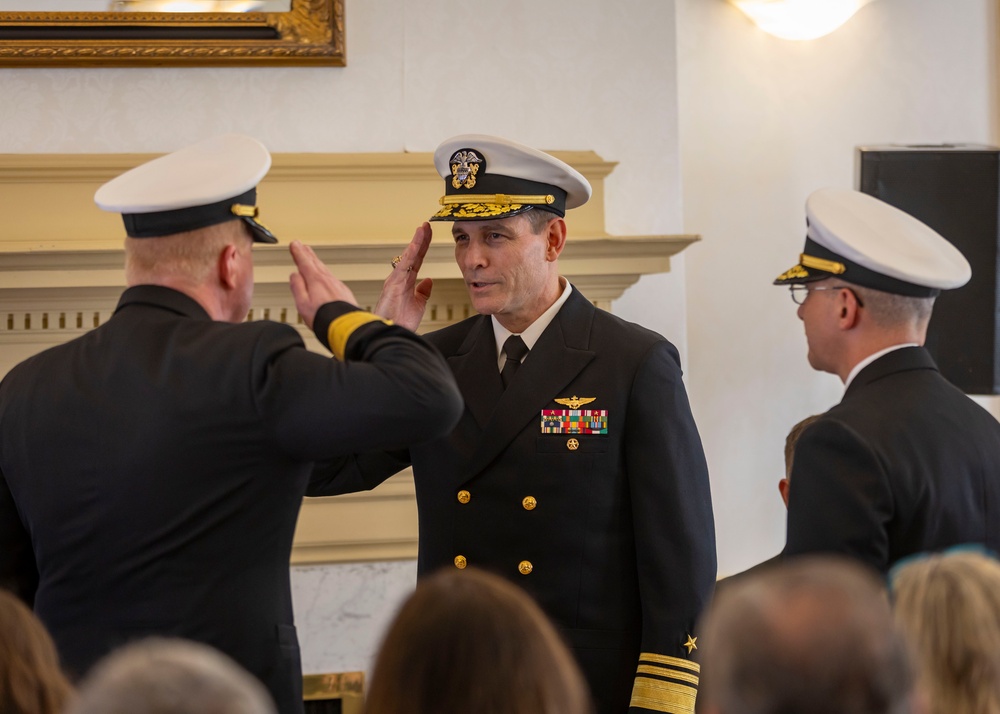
(956, 191)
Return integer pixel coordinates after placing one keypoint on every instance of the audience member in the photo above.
(811, 636)
(948, 607)
(165, 676)
(468, 641)
(790, 441)
(31, 681)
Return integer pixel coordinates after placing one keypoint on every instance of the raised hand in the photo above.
(313, 285)
(403, 299)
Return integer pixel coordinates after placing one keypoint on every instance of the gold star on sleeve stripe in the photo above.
(665, 684)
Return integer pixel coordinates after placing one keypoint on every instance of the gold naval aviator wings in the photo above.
(575, 402)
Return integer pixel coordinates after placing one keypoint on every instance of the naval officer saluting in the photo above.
(576, 471)
(151, 471)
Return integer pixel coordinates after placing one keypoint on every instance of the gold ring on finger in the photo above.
(395, 261)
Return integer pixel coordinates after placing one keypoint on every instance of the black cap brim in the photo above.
(259, 233)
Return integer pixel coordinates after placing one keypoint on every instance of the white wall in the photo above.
(557, 74)
(763, 123)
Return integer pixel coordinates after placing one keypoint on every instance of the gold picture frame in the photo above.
(311, 33)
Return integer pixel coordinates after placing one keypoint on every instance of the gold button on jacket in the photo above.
(464, 496)
(525, 567)
(460, 561)
(529, 503)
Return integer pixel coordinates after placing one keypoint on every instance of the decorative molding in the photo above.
(311, 33)
(61, 273)
(380, 524)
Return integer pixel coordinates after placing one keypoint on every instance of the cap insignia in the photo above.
(465, 165)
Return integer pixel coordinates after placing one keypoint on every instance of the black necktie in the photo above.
(515, 349)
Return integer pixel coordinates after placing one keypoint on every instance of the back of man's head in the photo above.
(161, 676)
(187, 258)
(888, 311)
(811, 636)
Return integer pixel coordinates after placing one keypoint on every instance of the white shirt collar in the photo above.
(535, 329)
(871, 358)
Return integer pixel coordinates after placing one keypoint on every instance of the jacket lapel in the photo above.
(557, 358)
(475, 368)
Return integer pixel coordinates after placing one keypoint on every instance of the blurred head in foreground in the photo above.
(812, 636)
(468, 641)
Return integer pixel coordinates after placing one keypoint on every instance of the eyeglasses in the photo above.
(799, 293)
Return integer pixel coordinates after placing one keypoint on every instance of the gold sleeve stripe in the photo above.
(827, 266)
(667, 672)
(670, 661)
(663, 696)
(343, 327)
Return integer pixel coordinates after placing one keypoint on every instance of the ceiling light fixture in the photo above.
(799, 19)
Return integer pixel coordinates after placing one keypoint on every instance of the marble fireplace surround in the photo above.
(61, 274)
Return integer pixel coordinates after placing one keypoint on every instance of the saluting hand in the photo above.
(313, 285)
(403, 299)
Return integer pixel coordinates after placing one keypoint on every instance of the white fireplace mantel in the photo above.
(61, 274)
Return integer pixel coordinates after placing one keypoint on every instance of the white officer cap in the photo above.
(201, 185)
(867, 242)
(490, 177)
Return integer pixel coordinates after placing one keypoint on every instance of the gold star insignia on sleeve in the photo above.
(691, 644)
(575, 402)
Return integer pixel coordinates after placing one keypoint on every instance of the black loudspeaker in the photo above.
(956, 191)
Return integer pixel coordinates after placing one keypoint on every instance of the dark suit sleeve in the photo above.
(839, 497)
(388, 389)
(18, 572)
(356, 472)
(674, 531)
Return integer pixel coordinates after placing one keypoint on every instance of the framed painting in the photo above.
(190, 33)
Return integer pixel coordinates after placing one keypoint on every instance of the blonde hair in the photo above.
(949, 609)
(469, 641)
(190, 256)
(31, 681)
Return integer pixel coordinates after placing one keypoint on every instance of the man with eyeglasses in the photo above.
(906, 462)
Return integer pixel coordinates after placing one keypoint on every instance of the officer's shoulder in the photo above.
(257, 331)
(627, 335)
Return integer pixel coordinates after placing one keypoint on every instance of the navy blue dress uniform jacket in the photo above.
(905, 463)
(151, 471)
(615, 538)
